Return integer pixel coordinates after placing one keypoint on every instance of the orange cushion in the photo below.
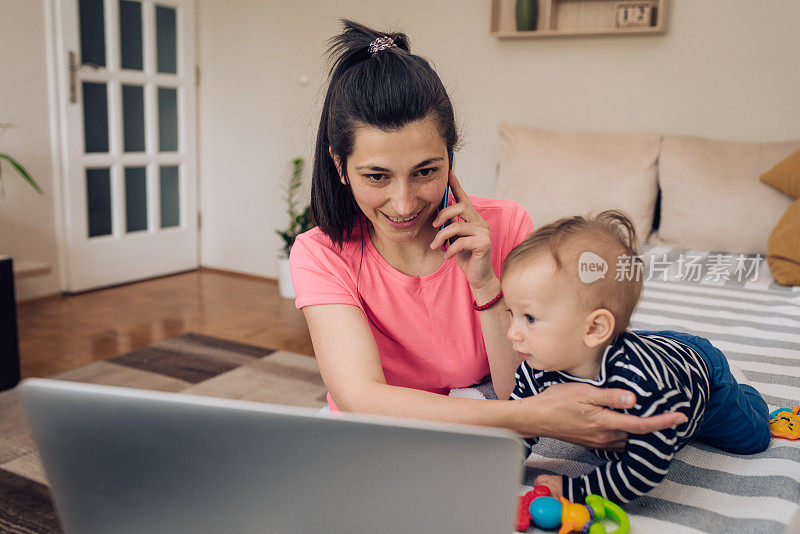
(783, 247)
(785, 176)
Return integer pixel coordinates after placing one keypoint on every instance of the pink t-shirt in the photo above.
(427, 333)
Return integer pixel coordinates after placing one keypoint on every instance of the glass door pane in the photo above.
(130, 32)
(133, 118)
(98, 201)
(95, 116)
(167, 119)
(135, 199)
(170, 199)
(166, 40)
(93, 34)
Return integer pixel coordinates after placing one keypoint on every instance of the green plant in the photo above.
(17, 166)
(299, 221)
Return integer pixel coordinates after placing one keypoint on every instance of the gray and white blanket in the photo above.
(756, 323)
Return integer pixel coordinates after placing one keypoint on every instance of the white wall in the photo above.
(27, 228)
(724, 69)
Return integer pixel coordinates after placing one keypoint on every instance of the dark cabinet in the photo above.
(9, 345)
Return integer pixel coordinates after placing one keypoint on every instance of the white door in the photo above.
(128, 126)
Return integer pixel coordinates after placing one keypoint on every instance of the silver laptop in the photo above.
(122, 460)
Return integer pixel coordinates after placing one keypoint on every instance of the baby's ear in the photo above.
(599, 328)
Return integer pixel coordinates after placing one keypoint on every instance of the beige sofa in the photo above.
(710, 194)
(711, 202)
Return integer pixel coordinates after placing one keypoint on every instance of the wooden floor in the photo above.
(61, 333)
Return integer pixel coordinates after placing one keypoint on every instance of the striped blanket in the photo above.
(756, 323)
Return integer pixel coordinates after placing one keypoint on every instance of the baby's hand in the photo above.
(553, 482)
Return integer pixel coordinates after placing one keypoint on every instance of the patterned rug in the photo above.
(192, 363)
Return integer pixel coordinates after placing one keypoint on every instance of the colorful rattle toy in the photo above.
(548, 513)
(785, 423)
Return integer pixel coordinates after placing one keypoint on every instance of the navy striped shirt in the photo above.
(665, 375)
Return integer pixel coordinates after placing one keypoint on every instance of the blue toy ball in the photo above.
(546, 512)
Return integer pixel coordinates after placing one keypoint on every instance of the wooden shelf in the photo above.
(24, 268)
(571, 18)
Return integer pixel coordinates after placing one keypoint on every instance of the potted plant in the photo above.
(17, 166)
(299, 222)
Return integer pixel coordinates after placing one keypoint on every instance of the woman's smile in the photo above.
(402, 223)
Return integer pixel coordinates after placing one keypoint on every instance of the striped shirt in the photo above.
(665, 375)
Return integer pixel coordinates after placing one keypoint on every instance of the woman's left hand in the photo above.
(472, 247)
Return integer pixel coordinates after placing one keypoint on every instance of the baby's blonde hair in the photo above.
(609, 234)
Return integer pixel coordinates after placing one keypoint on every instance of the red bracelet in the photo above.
(488, 304)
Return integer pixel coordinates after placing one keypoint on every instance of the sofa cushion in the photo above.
(783, 256)
(783, 246)
(785, 176)
(558, 174)
(711, 198)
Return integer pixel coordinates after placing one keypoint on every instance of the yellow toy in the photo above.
(573, 517)
(785, 423)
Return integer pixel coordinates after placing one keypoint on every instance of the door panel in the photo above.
(130, 187)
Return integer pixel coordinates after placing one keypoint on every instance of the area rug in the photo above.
(192, 363)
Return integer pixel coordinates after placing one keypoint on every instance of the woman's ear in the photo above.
(338, 162)
(599, 328)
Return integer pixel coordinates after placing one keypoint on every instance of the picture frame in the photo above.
(634, 14)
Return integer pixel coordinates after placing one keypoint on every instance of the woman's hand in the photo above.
(577, 413)
(473, 246)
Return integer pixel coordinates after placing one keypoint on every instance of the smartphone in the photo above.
(446, 199)
(444, 205)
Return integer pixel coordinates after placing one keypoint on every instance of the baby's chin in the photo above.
(536, 364)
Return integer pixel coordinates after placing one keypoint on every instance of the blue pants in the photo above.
(736, 417)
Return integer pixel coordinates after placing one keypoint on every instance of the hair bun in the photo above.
(400, 41)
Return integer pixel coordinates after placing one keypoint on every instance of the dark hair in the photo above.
(386, 90)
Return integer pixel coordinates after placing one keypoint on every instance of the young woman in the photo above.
(399, 310)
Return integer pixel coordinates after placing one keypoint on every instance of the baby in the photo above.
(569, 316)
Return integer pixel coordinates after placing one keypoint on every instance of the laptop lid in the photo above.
(126, 460)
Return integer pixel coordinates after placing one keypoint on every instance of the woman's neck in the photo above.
(413, 258)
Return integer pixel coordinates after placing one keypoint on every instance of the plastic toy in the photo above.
(574, 517)
(605, 509)
(785, 423)
(523, 509)
(546, 512)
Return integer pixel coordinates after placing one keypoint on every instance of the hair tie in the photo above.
(381, 43)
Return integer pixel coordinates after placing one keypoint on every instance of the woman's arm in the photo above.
(503, 361)
(473, 252)
(350, 366)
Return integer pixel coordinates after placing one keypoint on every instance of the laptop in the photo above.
(123, 460)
